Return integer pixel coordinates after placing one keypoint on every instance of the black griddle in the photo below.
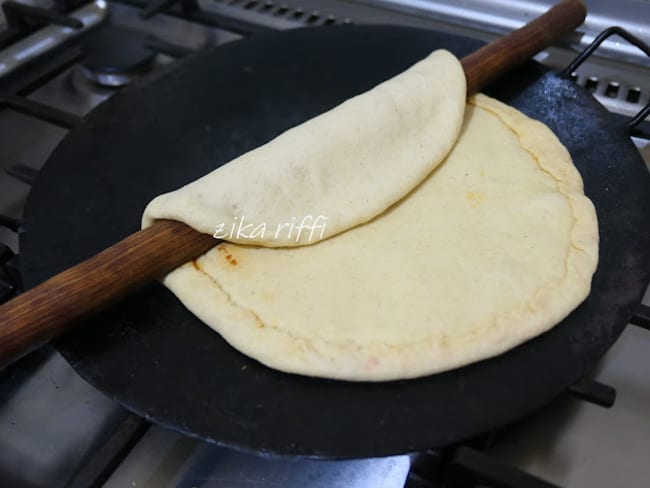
(157, 359)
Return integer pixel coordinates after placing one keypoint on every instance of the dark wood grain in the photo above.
(40, 314)
(500, 56)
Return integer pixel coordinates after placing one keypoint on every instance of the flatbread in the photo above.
(345, 166)
(494, 247)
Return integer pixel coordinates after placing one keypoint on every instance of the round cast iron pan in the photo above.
(156, 358)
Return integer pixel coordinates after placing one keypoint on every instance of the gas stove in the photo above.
(60, 59)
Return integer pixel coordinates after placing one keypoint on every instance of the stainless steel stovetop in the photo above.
(55, 430)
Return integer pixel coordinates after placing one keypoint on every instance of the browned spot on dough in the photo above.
(230, 259)
(475, 198)
(260, 324)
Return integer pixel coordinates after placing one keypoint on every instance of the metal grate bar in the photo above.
(642, 317)
(470, 467)
(233, 24)
(24, 19)
(636, 125)
(155, 7)
(33, 76)
(48, 69)
(594, 392)
(640, 129)
(101, 463)
(41, 111)
(589, 50)
(9, 35)
(10, 223)
(20, 14)
(23, 173)
(426, 467)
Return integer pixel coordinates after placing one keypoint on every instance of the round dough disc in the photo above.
(494, 247)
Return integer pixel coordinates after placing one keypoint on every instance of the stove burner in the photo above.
(114, 57)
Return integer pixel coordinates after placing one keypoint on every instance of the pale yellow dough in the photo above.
(348, 164)
(494, 247)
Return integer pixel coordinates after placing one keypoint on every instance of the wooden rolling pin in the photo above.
(40, 314)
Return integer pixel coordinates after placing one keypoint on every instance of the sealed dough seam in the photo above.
(445, 338)
(471, 334)
(249, 327)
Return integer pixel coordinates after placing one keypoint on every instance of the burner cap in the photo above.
(113, 56)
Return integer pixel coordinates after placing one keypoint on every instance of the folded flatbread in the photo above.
(347, 165)
(495, 246)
